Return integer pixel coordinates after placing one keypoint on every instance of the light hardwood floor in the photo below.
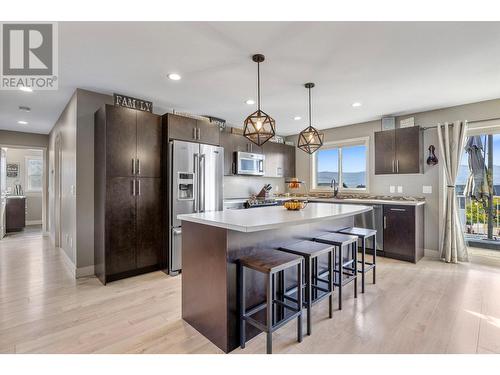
(430, 307)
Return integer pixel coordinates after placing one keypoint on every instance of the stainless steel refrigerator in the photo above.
(195, 185)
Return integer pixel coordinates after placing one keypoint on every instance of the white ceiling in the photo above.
(390, 67)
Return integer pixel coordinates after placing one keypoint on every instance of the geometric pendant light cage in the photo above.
(310, 139)
(259, 127)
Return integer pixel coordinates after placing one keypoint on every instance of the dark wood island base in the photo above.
(209, 275)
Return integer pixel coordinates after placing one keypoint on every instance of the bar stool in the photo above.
(343, 267)
(269, 262)
(311, 251)
(363, 234)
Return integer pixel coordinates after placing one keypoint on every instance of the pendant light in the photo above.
(310, 139)
(259, 127)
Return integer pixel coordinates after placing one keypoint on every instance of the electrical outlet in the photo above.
(400, 189)
(392, 189)
(427, 189)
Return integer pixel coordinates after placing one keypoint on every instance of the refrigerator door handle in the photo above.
(201, 178)
(196, 167)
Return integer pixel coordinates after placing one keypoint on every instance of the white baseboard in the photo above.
(84, 271)
(77, 272)
(68, 263)
(431, 253)
(33, 222)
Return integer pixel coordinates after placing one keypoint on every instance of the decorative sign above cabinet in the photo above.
(132, 103)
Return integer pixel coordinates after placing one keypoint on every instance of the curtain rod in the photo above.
(468, 122)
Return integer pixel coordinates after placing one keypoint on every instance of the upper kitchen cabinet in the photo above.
(279, 161)
(235, 143)
(399, 151)
(191, 130)
(148, 145)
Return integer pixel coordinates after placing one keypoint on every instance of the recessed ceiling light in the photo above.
(356, 104)
(24, 108)
(25, 89)
(250, 101)
(21, 122)
(174, 76)
(297, 118)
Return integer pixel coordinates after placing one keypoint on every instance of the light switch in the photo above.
(427, 189)
(400, 189)
(392, 189)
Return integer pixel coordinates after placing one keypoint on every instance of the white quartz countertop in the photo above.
(264, 218)
(340, 200)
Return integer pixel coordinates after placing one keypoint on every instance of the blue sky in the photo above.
(353, 159)
(496, 150)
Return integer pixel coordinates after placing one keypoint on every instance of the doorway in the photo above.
(480, 217)
(23, 191)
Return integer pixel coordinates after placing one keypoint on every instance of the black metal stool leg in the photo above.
(374, 256)
(363, 250)
(354, 246)
(341, 271)
(308, 293)
(269, 313)
(241, 274)
(299, 301)
(330, 284)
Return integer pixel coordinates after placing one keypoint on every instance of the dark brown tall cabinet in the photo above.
(127, 192)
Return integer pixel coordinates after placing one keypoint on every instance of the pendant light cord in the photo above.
(310, 117)
(258, 86)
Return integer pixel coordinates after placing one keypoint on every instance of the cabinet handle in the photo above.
(397, 166)
(133, 166)
(198, 133)
(194, 133)
(392, 165)
(385, 222)
(138, 166)
(138, 187)
(398, 209)
(133, 187)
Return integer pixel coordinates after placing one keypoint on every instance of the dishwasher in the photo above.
(373, 219)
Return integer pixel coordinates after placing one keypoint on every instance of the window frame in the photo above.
(361, 141)
(28, 188)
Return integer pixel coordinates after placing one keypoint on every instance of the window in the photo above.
(34, 173)
(346, 162)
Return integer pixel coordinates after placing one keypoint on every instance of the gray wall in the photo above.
(87, 103)
(65, 128)
(76, 128)
(412, 184)
(33, 199)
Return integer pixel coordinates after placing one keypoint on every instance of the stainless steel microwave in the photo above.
(249, 164)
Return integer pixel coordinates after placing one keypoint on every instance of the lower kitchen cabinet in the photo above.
(404, 232)
(15, 214)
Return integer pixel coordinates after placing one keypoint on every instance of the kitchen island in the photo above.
(212, 242)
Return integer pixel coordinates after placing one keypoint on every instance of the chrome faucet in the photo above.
(335, 186)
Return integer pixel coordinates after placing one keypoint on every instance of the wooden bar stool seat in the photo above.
(344, 267)
(269, 262)
(363, 234)
(311, 251)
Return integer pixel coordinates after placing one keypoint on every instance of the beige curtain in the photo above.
(451, 145)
